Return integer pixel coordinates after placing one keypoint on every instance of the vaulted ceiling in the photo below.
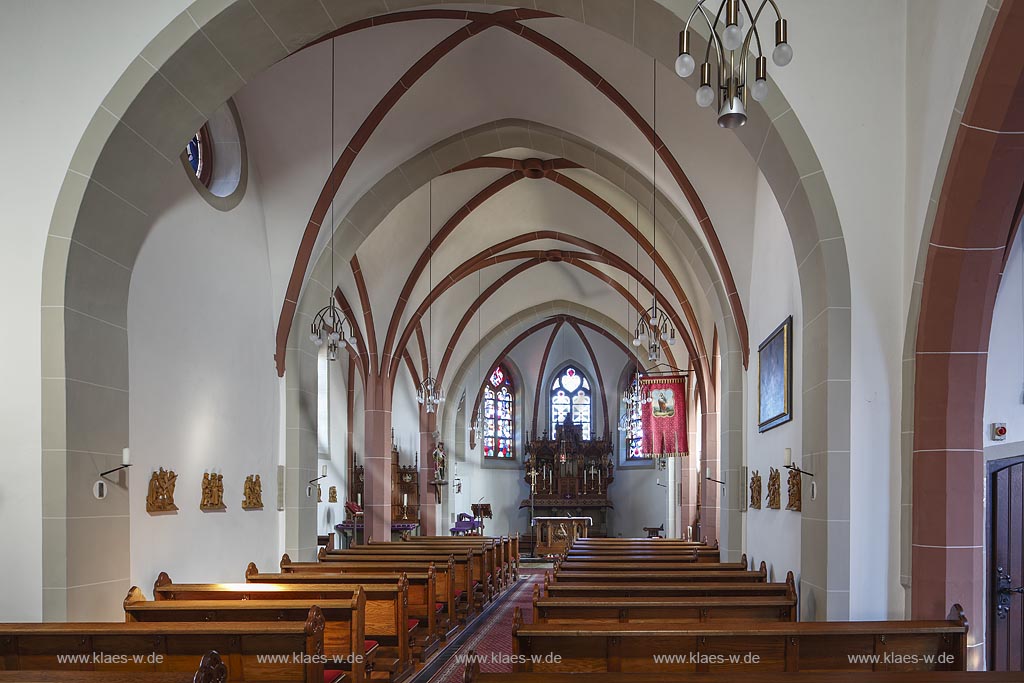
(541, 215)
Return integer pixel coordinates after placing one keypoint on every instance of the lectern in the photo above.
(554, 534)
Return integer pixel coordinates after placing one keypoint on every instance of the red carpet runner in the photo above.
(492, 643)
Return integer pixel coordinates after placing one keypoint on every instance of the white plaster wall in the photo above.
(54, 73)
(1004, 382)
(204, 395)
(854, 54)
(773, 535)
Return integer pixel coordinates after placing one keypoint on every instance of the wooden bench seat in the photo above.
(424, 604)
(499, 562)
(661, 609)
(689, 563)
(386, 619)
(448, 584)
(730, 645)
(645, 555)
(297, 646)
(508, 545)
(656, 577)
(474, 675)
(466, 586)
(477, 560)
(345, 644)
(679, 590)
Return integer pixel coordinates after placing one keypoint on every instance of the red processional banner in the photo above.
(664, 416)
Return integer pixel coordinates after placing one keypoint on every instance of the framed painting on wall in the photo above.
(775, 378)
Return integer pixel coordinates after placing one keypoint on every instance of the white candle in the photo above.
(789, 457)
(359, 499)
(124, 456)
(405, 499)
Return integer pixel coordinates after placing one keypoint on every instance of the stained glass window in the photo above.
(199, 153)
(499, 414)
(635, 432)
(570, 395)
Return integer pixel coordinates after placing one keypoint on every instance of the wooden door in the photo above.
(1006, 606)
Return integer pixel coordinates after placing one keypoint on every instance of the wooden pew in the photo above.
(680, 590)
(690, 563)
(423, 597)
(500, 549)
(509, 543)
(386, 619)
(462, 566)
(450, 585)
(643, 554)
(659, 608)
(696, 574)
(474, 675)
(477, 563)
(179, 646)
(345, 645)
(730, 646)
(488, 556)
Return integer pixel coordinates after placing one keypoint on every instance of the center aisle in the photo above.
(492, 641)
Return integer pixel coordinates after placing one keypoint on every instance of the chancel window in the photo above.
(499, 414)
(570, 395)
(634, 427)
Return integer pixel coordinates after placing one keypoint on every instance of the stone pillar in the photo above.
(377, 459)
(710, 494)
(428, 502)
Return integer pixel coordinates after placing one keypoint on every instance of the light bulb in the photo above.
(759, 91)
(334, 336)
(732, 37)
(782, 54)
(636, 341)
(705, 96)
(314, 337)
(685, 65)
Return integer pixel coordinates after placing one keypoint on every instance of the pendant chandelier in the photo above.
(654, 327)
(329, 323)
(430, 394)
(733, 51)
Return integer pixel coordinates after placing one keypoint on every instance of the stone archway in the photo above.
(113, 189)
(975, 212)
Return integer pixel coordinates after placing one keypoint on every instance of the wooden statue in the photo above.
(252, 493)
(755, 490)
(160, 497)
(332, 494)
(774, 484)
(440, 460)
(213, 492)
(319, 494)
(795, 501)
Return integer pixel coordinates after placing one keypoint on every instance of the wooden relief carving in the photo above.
(332, 494)
(213, 492)
(755, 490)
(774, 485)
(252, 493)
(160, 497)
(795, 501)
